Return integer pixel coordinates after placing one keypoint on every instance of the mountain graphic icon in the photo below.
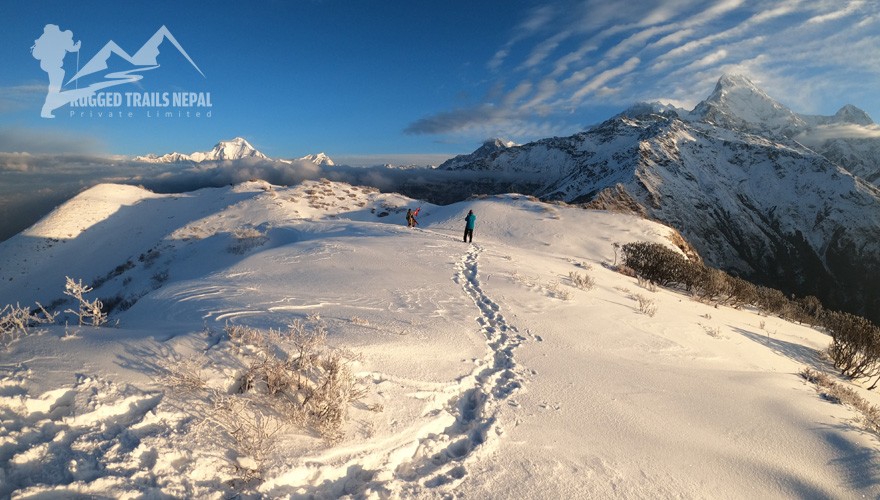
(145, 56)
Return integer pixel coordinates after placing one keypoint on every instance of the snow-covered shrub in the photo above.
(17, 321)
(159, 278)
(582, 281)
(327, 401)
(149, 258)
(91, 311)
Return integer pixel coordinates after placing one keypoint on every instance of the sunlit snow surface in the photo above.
(496, 377)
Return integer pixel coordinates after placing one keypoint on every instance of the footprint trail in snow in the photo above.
(440, 457)
(441, 460)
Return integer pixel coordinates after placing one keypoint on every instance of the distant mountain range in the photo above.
(235, 149)
(317, 159)
(784, 199)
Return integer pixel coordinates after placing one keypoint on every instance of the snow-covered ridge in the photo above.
(318, 159)
(486, 151)
(234, 149)
(754, 186)
(479, 361)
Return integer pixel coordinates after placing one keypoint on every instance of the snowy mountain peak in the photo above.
(234, 149)
(650, 108)
(318, 159)
(852, 114)
(492, 145)
(735, 80)
(738, 103)
(499, 143)
(487, 150)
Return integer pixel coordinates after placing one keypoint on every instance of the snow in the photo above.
(234, 149)
(737, 102)
(496, 378)
(318, 159)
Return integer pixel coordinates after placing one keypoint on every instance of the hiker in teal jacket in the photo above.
(470, 220)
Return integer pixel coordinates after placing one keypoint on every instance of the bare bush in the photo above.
(91, 311)
(657, 264)
(713, 286)
(285, 378)
(581, 281)
(838, 393)
(184, 374)
(855, 345)
(554, 291)
(661, 265)
(646, 305)
(246, 428)
(246, 239)
(17, 321)
(357, 320)
(626, 271)
(327, 401)
(713, 331)
(298, 375)
(646, 284)
(242, 336)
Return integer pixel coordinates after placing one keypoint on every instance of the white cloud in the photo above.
(544, 49)
(604, 77)
(616, 53)
(17, 139)
(778, 11)
(823, 133)
(709, 59)
(672, 38)
(547, 88)
(849, 9)
(17, 97)
(514, 96)
(15, 162)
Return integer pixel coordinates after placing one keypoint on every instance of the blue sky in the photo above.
(370, 81)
